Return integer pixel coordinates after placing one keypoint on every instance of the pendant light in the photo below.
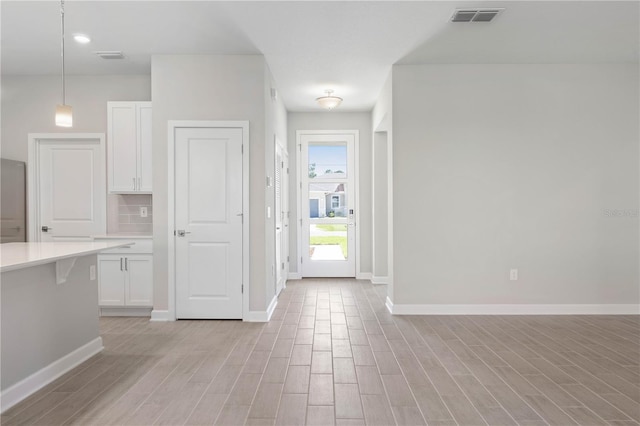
(329, 102)
(64, 113)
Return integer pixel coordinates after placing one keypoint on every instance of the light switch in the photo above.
(268, 212)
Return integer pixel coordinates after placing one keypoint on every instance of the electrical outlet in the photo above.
(92, 273)
(513, 275)
(143, 211)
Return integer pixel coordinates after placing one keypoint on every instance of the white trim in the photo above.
(513, 309)
(295, 276)
(158, 315)
(263, 316)
(111, 311)
(363, 275)
(21, 390)
(356, 182)
(246, 281)
(33, 187)
(379, 280)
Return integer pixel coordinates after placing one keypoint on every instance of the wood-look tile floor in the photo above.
(333, 355)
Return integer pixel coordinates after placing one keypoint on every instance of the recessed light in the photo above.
(82, 38)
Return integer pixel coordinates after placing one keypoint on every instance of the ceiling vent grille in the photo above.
(475, 15)
(110, 54)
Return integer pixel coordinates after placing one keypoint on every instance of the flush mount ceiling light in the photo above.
(329, 102)
(64, 113)
(82, 38)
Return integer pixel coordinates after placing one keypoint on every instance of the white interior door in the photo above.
(71, 198)
(281, 216)
(327, 182)
(208, 220)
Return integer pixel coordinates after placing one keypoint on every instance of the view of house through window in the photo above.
(328, 202)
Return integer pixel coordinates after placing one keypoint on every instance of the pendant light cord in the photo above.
(62, 25)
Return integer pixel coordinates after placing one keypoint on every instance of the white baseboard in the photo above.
(379, 280)
(514, 309)
(295, 276)
(158, 315)
(363, 276)
(124, 312)
(16, 393)
(262, 316)
(272, 307)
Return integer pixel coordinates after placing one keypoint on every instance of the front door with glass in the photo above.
(327, 182)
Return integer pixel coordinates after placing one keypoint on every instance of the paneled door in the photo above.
(71, 194)
(327, 183)
(208, 223)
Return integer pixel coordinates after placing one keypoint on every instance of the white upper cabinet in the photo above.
(129, 145)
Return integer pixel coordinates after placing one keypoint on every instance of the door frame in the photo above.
(356, 153)
(173, 125)
(284, 183)
(33, 175)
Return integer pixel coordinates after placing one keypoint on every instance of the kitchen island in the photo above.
(49, 312)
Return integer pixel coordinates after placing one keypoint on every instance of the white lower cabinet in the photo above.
(126, 280)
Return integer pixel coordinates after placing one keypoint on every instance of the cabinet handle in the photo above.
(134, 184)
(126, 265)
(121, 264)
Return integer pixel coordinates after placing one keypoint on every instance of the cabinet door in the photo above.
(122, 146)
(139, 282)
(111, 280)
(144, 141)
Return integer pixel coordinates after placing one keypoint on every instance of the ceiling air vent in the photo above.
(475, 15)
(110, 54)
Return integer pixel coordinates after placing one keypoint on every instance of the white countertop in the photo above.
(123, 236)
(24, 255)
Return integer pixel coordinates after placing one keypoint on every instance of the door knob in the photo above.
(46, 229)
(182, 232)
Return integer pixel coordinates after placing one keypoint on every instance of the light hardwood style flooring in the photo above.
(332, 354)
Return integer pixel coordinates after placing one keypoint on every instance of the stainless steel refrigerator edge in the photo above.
(13, 211)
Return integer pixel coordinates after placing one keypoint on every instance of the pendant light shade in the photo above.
(329, 101)
(64, 113)
(64, 116)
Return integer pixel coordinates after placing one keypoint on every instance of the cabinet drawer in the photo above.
(139, 246)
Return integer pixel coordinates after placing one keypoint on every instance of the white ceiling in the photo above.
(314, 45)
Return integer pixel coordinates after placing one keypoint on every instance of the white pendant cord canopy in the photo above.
(64, 112)
(329, 101)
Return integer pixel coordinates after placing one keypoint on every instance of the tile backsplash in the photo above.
(124, 214)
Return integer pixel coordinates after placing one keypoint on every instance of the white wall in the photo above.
(332, 120)
(382, 229)
(28, 105)
(515, 166)
(210, 87)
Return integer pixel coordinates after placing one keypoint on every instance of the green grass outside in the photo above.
(330, 241)
(327, 227)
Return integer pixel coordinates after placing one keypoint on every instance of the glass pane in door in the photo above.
(328, 241)
(328, 201)
(327, 161)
